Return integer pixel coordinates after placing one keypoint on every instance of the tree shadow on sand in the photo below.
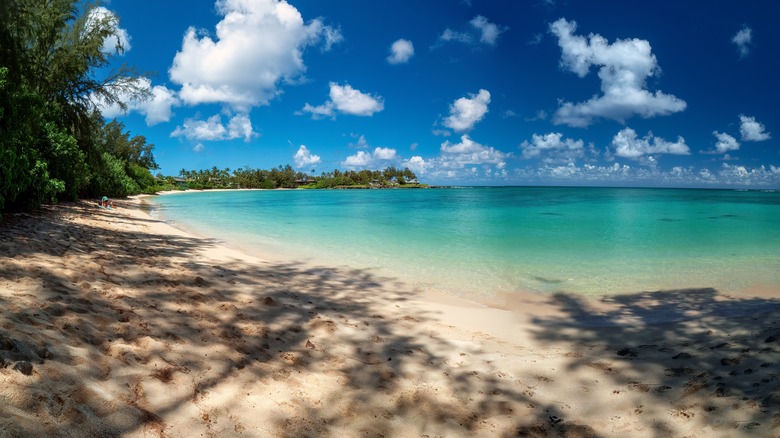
(106, 332)
(691, 360)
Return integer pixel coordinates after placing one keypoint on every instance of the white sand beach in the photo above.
(114, 323)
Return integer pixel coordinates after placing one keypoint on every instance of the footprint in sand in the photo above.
(603, 366)
(662, 389)
(730, 361)
(682, 356)
(677, 372)
(639, 387)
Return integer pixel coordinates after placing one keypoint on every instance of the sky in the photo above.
(462, 92)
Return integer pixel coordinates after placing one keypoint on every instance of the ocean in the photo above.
(478, 242)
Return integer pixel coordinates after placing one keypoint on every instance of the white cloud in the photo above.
(360, 159)
(418, 165)
(198, 147)
(320, 111)
(384, 154)
(467, 111)
(628, 145)
(351, 101)
(157, 107)
(451, 35)
(725, 143)
(463, 161)
(457, 155)
(365, 159)
(625, 67)
(727, 175)
(119, 42)
(401, 51)
(552, 145)
(743, 176)
(212, 129)
(332, 37)
(489, 31)
(535, 40)
(258, 43)
(743, 39)
(362, 143)
(304, 158)
(752, 130)
(346, 100)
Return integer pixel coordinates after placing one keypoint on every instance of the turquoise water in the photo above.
(476, 242)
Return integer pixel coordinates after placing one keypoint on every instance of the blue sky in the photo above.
(560, 92)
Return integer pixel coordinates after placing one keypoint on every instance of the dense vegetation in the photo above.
(54, 143)
(286, 177)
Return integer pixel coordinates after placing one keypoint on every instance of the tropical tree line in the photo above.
(286, 177)
(54, 144)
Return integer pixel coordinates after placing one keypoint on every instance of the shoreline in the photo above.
(489, 280)
(119, 324)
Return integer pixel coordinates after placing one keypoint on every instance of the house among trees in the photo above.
(304, 181)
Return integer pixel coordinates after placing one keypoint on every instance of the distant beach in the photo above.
(114, 323)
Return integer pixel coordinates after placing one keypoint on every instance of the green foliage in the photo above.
(52, 145)
(66, 161)
(133, 151)
(286, 177)
(25, 181)
(142, 176)
(111, 180)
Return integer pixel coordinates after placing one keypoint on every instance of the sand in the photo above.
(114, 323)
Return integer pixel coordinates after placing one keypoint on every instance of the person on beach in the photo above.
(105, 203)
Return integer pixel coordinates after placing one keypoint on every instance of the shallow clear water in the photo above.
(475, 242)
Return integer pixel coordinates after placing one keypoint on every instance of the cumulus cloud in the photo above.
(743, 39)
(726, 175)
(628, 145)
(724, 143)
(119, 41)
(198, 147)
(155, 103)
(752, 130)
(362, 143)
(304, 158)
(400, 51)
(458, 155)
(384, 154)
(554, 146)
(489, 32)
(366, 159)
(347, 100)
(451, 35)
(258, 44)
(417, 164)
(625, 67)
(486, 32)
(739, 175)
(467, 111)
(360, 159)
(333, 36)
(212, 129)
